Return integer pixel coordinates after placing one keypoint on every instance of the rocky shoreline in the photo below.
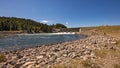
(47, 55)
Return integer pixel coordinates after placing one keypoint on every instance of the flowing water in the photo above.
(29, 40)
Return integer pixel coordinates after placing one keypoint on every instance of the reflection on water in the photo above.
(24, 41)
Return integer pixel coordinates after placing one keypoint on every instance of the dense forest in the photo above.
(26, 25)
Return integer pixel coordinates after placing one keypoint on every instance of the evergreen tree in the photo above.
(28, 25)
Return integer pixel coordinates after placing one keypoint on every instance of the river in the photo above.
(29, 40)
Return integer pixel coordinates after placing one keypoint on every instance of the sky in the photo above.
(72, 13)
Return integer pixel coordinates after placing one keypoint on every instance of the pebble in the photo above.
(39, 57)
(56, 53)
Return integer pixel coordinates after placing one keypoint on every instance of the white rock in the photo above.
(113, 42)
(65, 55)
(28, 63)
(39, 57)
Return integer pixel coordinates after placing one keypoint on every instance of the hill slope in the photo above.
(18, 24)
(26, 25)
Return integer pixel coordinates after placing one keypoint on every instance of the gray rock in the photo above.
(9, 66)
(18, 65)
(3, 65)
(13, 62)
(19, 55)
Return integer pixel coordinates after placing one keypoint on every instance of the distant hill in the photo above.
(26, 25)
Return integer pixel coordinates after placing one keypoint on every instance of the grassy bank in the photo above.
(109, 30)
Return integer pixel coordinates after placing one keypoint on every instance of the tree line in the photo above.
(28, 25)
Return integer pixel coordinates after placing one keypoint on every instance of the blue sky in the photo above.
(72, 13)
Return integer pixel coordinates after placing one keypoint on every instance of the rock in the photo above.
(28, 63)
(39, 57)
(88, 52)
(52, 59)
(64, 55)
(111, 47)
(75, 55)
(13, 62)
(94, 42)
(55, 50)
(37, 66)
(18, 65)
(66, 52)
(30, 66)
(19, 55)
(9, 66)
(14, 57)
(22, 59)
(86, 57)
(3, 65)
(59, 59)
(58, 54)
(113, 42)
(105, 45)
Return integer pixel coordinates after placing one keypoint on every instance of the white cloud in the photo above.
(44, 21)
(66, 23)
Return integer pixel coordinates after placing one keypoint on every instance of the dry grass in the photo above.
(109, 30)
(117, 66)
(76, 63)
(2, 58)
(109, 58)
(106, 29)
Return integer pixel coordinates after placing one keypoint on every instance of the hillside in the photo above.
(26, 25)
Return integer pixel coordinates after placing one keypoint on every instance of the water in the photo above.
(29, 40)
